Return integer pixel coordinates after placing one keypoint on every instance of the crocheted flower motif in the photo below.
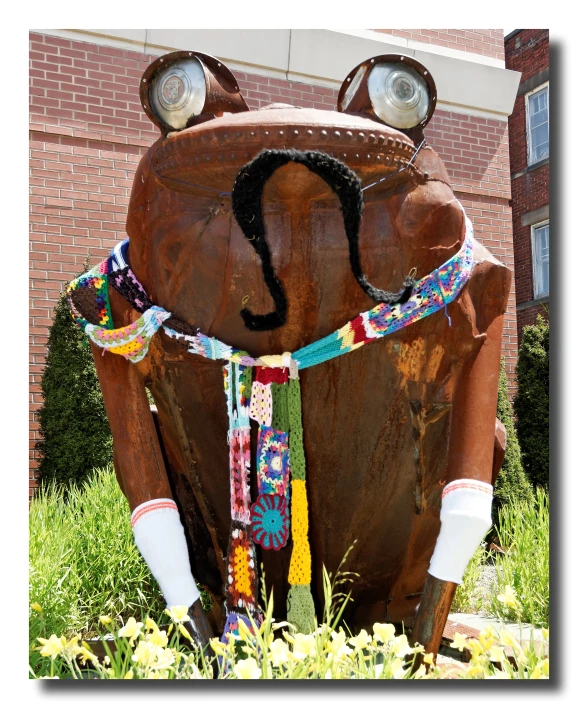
(270, 521)
(273, 462)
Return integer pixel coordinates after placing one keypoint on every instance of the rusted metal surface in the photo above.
(386, 426)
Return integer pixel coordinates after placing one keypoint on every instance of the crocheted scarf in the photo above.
(267, 388)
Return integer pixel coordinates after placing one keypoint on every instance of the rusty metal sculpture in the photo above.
(385, 427)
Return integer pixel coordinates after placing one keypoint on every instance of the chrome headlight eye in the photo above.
(396, 89)
(181, 87)
(179, 93)
(398, 94)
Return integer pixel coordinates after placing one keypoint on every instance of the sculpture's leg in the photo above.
(466, 504)
(139, 465)
(428, 628)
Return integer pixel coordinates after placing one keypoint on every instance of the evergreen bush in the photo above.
(512, 483)
(75, 434)
(531, 404)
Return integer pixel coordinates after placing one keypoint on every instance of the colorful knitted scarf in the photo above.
(266, 389)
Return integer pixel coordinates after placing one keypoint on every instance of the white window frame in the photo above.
(534, 227)
(528, 132)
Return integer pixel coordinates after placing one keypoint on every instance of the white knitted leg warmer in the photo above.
(160, 537)
(466, 516)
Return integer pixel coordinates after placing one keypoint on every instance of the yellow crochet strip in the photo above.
(300, 566)
(127, 348)
(242, 571)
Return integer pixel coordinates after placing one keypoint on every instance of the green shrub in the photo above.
(512, 483)
(531, 404)
(523, 532)
(74, 430)
(83, 559)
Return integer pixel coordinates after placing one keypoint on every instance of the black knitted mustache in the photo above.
(246, 202)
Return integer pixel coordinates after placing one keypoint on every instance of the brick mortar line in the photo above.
(80, 134)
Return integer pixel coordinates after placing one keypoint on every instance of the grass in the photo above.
(466, 598)
(523, 530)
(83, 559)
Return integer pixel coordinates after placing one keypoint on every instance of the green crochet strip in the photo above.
(301, 608)
(280, 416)
(246, 378)
(297, 454)
(294, 403)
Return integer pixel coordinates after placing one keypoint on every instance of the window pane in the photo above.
(538, 148)
(541, 257)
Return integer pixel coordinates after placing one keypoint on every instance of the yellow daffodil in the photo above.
(361, 640)
(144, 653)
(131, 630)
(396, 668)
(218, 647)
(487, 637)
(545, 634)
(508, 640)
(185, 632)
(279, 652)
(150, 624)
(428, 658)
(36, 607)
(400, 646)
(384, 632)
(338, 645)
(87, 655)
(496, 654)
(421, 672)
(460, 642)
(105, 620)
(509, 598)
(475, 672)
(303, 646)
(164, 658)
(51, 647)
(158, 638)
(247, 669)
(129, 674)
(280, 625)
(71, 648)
(178, 613)
(476, 647)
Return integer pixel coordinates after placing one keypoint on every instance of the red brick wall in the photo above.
(88, 132)
(528, 52)
(479, 41)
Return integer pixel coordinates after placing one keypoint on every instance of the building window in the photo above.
(537, 122)
(541, 259)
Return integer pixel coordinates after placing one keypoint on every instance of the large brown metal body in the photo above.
(385, 426)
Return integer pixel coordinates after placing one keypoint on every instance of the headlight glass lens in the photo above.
(399, 95)
(178, 92)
